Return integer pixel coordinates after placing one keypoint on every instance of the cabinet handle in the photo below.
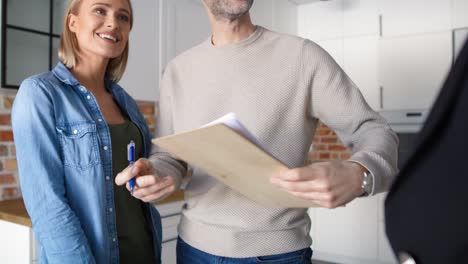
(381, 97)
(380, 25)
(414, 114)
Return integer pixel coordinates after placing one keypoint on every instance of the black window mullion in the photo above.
(6, 26)
(4, 21)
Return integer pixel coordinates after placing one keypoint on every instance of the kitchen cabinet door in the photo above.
(460, 13)
(285, 17)
(360, 17)
(413, 68)
(361, 65)
(17, 244)
(184, 24)
(402, 17)
(321, 21)
(141, 78)
(346, 234)
(384, 253)
(169, 252)
(460, 37)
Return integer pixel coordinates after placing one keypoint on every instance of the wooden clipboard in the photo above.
(234, 160)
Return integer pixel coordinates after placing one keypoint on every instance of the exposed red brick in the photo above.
(146, 107)
(10, 193)
(323, 132)
(5, 119)
(6, 136)
(324, 156)
(335, 156)
(150, 120)
(329, 139)
(318, 147)
(336, 147)
(316, 140)
(3, 150)
(10, 165)
(12, 150)
(8, 102)
(7, 179)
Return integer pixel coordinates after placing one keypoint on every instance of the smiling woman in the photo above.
(71, 128)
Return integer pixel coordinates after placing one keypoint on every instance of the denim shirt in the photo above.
(64, 159)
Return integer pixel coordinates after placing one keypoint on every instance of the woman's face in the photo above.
(101, 27)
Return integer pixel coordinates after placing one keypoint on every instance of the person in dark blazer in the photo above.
(426, 210)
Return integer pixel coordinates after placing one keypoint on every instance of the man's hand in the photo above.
(329, 184)
(151, 185)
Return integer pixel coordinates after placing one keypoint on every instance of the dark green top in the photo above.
(134, 233)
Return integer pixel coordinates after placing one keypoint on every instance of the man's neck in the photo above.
(228, 32)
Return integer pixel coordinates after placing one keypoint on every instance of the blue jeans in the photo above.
(187, 254)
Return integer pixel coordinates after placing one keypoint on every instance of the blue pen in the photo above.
(131, 160)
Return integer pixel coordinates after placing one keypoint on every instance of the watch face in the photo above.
(367, 183)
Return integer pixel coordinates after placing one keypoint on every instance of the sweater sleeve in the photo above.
(338, 103)
(164, 162)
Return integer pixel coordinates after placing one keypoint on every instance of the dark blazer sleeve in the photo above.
(426, 210)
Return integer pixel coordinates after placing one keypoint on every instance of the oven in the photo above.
(407, 124)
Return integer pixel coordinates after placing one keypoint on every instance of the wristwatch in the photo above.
(367, 183)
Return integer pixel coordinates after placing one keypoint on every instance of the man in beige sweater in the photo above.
(279, 86)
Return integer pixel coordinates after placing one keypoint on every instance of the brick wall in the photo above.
(326, 145)
(9, 184)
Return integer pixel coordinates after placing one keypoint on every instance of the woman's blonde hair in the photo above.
(68, 49)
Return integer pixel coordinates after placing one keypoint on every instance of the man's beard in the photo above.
(228, 9)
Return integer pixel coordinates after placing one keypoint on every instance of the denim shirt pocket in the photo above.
(79, 144)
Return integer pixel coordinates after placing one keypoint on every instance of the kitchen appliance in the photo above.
(407, 124)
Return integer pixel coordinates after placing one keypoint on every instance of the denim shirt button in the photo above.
(110, 210)
(105, 147)
(75, 131)
(107, 178)
(88, 97)
(100, 120)
(113, 240)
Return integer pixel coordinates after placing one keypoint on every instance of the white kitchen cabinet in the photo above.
(351, 234)
(141, 79)
(184, 24)
(17, 244)
(402, 17)
(321, 21)
(460, 13)
(347, 232)
(361, 17)
(285, 17)
(170, 217)
(384, 253)
(413, 68)
(334, 47)
(361, 64)
(460, 37)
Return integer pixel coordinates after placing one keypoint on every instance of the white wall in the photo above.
(141, 77)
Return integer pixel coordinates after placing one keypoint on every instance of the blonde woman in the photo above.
(72, 126)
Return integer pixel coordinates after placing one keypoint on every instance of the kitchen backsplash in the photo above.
(325, 146)
(9, 182)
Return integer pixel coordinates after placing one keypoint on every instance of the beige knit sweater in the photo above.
(278, 86)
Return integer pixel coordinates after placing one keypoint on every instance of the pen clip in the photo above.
(131, 152)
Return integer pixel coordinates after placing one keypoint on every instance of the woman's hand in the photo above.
(151, 184)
